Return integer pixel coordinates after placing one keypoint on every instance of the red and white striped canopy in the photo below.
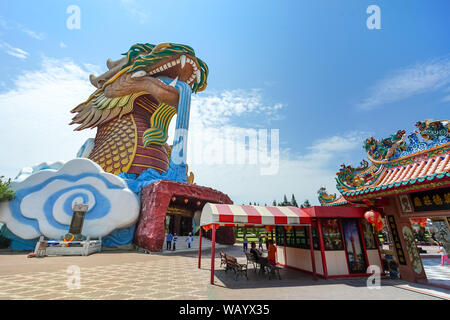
(232, 215)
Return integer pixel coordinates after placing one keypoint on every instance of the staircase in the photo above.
(182, 245)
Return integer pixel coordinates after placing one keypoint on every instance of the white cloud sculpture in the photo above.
(44, 202)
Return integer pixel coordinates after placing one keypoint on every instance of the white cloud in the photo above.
(10, 24)
(35, 115)
(421, 78)
(12, 51)
(62, 45)
(218, 109)
(136, 9)
(31, 33)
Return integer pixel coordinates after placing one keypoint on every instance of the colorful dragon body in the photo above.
(134, 103)
(432, 130)
(389, 151)
(384, 149)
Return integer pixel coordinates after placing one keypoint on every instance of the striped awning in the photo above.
(246, 215)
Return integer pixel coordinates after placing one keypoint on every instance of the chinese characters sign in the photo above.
(431, 200)
(396, 238)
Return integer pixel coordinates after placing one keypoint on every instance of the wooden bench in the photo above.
(223, 258)
(238, 268)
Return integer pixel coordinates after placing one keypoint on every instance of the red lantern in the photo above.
(379, 225)
(288, 228)
(186, 201)
(269, 228)
(372, 216)
(173, 198)
(198, 203)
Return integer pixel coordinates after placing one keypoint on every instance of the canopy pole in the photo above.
(213, 252)
(322, 250)
(200, 249)
(313, 260)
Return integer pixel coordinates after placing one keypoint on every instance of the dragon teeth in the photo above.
(183, 61)
(174, 82)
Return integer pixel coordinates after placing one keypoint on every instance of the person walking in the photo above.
(169, 241)
(245, 242)
(189, 240)
(260, 242)
(266, 237)
(444, 255)
(174, 241)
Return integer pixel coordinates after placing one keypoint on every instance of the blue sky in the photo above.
(313, 69)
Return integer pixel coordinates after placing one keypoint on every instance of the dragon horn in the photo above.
(112, 64)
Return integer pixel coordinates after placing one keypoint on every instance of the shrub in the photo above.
(6, 193)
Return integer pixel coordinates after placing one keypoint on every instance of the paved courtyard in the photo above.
(132, 275)
(437, 274)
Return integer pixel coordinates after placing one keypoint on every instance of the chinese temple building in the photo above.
(406, 177)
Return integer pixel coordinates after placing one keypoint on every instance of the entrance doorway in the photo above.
(179, 224)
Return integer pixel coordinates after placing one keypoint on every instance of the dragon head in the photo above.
(145, 65)
(149, 69)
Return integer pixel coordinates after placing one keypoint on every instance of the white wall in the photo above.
(300, 258)
(336, 263)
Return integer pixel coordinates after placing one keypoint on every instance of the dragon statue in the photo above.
(351, 176)
(133, 105)
(324, 197)
(431, 130)
(386, 148)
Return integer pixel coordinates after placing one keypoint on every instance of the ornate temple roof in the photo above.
(397, 166)
(330, 200)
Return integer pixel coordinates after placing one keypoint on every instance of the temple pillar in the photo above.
(405, 249)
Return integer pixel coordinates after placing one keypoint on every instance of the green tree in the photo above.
(293, 201)
(6, 193)
(305, 204)
(285, 202)
(274, 203)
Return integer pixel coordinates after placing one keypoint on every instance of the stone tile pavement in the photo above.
(154, 278)
(132, 275)
(437, 274)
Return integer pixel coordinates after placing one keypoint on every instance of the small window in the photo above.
(332, 238)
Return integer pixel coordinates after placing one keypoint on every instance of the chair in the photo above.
(274, 270)
(251, 259)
